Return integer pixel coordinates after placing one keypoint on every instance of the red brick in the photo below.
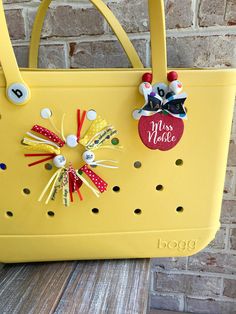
(187, 284)
(213, 262)
(15, 22)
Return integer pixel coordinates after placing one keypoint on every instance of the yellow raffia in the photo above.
(117, 147)
(54, 184)
(62, 127)
(55, 176)
(97, 193)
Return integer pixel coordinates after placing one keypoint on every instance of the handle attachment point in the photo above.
(18, 93)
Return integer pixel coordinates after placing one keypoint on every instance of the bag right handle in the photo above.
(158, 40)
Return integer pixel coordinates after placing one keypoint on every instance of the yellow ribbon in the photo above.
(41, 147)
(66, 191)
(96, 127)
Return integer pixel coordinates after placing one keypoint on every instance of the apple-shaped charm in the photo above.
(160, 131)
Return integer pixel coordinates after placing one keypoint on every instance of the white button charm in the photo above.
(59, 161)
(161, 89)
(88, 157)
(71, 141)
(46, 113)
(91, 115)
(18, 93)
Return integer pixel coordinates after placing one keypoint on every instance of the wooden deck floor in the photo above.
(89, 287)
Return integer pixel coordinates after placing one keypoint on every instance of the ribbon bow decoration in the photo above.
(172, 104)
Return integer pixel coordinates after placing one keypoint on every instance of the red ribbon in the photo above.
(99, 182)
(48, 134)
(74, 183)
(80, 122)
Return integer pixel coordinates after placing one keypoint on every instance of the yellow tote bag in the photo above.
(76, 180)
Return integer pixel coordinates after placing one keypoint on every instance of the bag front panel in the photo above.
(195, 186)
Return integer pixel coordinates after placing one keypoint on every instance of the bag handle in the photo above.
(108, 15)
(18, 92)
(158, 40)
(158, 36)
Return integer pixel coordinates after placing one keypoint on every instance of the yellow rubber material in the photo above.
(116, 231)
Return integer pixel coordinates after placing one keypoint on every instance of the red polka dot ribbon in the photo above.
(48, 134)
(99, 182)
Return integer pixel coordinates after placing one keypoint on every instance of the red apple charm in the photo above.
(160, 131)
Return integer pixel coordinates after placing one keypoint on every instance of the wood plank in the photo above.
(154, 311)
(33, 288)
(117, 287)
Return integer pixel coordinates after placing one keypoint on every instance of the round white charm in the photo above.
(71, 141)
(18, 93)
(161, 89)
(46, 113)
(88, 157)
(59, 161)
(91, 115)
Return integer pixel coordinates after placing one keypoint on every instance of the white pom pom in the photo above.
(59, 161)
(71, 141)
(46, 113)
(88, 157)
(91, 115)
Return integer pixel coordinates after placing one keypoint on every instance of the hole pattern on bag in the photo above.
(138, 211)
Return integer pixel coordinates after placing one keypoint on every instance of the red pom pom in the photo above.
(147, 77)
(172, 76)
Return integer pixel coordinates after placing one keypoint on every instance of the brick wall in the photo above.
(201, 33)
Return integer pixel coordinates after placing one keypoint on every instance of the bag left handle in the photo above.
(17, 91)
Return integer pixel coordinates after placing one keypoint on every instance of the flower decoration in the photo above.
(50, 146)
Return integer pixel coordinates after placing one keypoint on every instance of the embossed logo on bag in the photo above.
(180, 245)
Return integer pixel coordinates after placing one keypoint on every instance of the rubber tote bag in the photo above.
(77, 182)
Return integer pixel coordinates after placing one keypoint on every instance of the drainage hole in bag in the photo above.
(48, 166)
(95, 211)
(116, 189)
(159, 187)
(179, 162)
(138, 211)
(51, 214)
(180, 209)
(137, 164)
(3, 166)
(26, 191)
(9, 214)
